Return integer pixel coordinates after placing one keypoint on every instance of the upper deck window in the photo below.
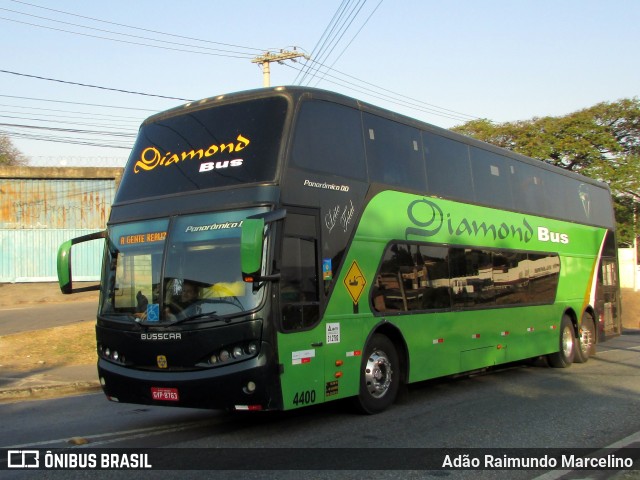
(219, 146)
(328, 139)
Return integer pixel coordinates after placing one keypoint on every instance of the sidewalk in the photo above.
(46, 382)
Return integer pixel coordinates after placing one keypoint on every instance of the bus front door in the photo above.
(301, 338)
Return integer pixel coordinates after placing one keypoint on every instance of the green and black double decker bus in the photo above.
(283, 247)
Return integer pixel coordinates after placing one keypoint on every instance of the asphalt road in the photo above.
(592, 405)
(35, 317)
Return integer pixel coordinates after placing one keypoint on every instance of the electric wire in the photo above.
(137, 27)
(95, 86)
(123, 41)
(80, 103)
(330, 32)
(320, 41)
(352, 39)
(240, 54)
(339, 35)
(411, 103)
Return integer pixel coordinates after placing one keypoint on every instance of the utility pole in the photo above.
(269, 57)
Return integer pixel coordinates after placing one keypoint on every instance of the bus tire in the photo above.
(379, 376)
(563, 358)
(586, 339)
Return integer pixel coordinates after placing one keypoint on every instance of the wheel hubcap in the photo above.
(378, 374)
(567, 341)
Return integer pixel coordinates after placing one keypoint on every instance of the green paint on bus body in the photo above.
(438, 343)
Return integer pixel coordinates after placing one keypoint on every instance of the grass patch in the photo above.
(73, 344)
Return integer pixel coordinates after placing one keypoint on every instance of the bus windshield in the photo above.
(218, 146)
(177, 269)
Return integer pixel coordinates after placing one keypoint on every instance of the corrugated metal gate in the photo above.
(38, 214)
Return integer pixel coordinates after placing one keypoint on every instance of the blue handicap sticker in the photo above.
(153, 312)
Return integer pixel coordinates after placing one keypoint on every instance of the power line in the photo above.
(123, 41)
(95, 86)
(86, 115)
(341, 31)
(243, 54)
(79, 103)
(410, 103)
(137, 28)
(70, 130)
(352, 38)
(67, 140)
(319, 46)
(57, 119)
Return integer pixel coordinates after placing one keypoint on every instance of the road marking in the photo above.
(95, 440)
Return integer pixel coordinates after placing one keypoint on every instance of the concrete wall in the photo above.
(42, 207)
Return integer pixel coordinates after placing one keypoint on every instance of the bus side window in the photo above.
(299, 295)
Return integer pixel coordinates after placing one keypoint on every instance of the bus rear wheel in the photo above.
(379, 377)
(563, 358)
(586, 339)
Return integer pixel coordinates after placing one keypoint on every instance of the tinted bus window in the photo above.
(471, 278)
(448, 170)
(526, 183)
(390, 293)
(434, 279)
(491, 178)
(510, 278)
(394, 153)
(328, 139)
(423, 277)
(212, 147)
(544, 272)
(555, 204)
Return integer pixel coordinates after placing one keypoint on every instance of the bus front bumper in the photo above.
(249, 385)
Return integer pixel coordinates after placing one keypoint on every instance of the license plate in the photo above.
(165, 394)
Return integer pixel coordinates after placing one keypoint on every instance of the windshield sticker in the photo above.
(213, 226)
(153, 312)
(151, 157)
(143, 238)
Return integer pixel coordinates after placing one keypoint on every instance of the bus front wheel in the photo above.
(379, 377)
(563, 358)
(587, 339)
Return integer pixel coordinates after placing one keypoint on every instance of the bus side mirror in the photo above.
(251, 248)
(65, 275)
(64, 267)
(252, 237)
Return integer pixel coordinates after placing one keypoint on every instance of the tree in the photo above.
(601, 142)
(9, 154)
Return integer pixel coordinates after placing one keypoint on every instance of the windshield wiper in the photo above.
(213, 315)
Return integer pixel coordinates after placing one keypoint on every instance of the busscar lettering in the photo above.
(161, 336)
(151, 157)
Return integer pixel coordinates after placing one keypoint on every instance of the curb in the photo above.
(34, 393)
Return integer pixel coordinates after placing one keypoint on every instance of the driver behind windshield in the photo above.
(186, 306)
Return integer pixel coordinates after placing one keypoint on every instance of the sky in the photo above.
(443, 62)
